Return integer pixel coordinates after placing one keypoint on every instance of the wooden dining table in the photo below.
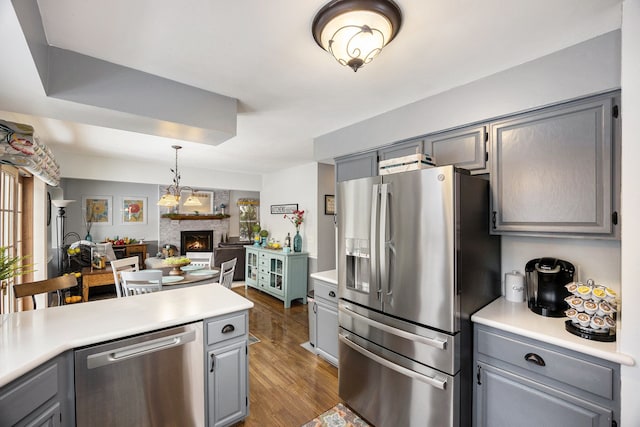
(99, 277)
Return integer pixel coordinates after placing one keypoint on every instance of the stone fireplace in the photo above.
(196, 241)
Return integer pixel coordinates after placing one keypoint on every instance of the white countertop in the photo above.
(30, 338)
(518, 319)
(330, 276)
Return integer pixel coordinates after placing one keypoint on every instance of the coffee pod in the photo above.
(572, 287)
(577, 303)
(597, 322)
(604, 309)
(584, 291)
(584, 319)
(598, 294)
(610, 294)
(571, 314)
(590, 307)
(608, 320)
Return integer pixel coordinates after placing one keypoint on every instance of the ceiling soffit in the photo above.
(210, 118)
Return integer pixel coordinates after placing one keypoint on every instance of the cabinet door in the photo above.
(356, 166)
(465, 148)
(251, 271)
(327, 331)
(276, 275)
(506, 399)
(401, 149)
(551, 170)
(227, 384)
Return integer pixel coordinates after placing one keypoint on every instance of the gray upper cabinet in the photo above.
(552, 170)
(401, 149)
(356, 166)
(465, 148)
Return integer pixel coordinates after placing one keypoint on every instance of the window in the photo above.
(10, 226)
(248, 217)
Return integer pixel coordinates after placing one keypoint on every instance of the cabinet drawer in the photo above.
(264, 277)
(326, 291)
(583, 374)
(225, 328)
(26, 394)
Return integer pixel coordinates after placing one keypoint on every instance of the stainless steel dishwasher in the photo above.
(154, 379)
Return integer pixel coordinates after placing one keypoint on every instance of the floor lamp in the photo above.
(60, 220)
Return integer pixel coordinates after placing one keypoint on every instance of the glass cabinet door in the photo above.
(276, 271)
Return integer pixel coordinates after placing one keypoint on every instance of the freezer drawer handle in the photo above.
(433, 342)
(432, 381)
(123, 353)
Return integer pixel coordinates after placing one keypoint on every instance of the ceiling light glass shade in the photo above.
(168, 200)
(355, 31)
(192, 201)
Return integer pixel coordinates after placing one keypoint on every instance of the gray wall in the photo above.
(589, 67)
(326, 229)
(77, 188)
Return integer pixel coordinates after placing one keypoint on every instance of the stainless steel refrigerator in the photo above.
(415, 261)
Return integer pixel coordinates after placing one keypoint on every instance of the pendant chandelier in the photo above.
(171, 197)
(355, 31)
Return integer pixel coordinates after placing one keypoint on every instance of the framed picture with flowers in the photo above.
(133, 210)
(97, 210)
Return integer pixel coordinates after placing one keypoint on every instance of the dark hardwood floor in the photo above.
(288, 385)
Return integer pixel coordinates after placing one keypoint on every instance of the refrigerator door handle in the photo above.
(373, 239)
(382, 242)
(433, 342)
(432, 381)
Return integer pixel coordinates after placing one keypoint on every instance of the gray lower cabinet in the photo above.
(326, 311)
(465, 148)
(43, 397)
(227, 364)
(553, 170)
(525, 382)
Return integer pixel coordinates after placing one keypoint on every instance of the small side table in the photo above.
(95, 277)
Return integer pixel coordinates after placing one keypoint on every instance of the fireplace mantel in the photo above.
(182, 217)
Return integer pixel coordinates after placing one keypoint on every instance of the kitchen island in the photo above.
(30, 340)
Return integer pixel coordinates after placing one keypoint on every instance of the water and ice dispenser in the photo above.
(358, 264)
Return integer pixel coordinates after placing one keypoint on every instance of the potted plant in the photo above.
(263, 236)
(11, 267)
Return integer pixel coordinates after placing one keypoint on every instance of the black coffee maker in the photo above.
(545, 279)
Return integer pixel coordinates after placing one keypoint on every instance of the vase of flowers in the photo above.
(297, 218)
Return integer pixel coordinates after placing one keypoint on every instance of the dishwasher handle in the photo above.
(136, 350)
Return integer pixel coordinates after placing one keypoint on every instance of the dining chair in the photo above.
(202, 259)
(120, 265)
(56, 284)
(226, 272)
(140, 282)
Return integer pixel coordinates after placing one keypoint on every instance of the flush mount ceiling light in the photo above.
(171, 197)
(355, 31)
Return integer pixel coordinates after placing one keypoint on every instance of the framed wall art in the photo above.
(133, 210)
(329, 204)
(206, 201)
(98, 210)
(284, 209)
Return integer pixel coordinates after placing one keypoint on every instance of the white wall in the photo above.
(628, 338)
(294, 185)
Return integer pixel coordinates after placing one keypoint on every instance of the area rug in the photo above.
(338, 416)
(253, 339)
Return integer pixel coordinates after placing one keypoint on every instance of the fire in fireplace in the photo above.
(196, 241)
